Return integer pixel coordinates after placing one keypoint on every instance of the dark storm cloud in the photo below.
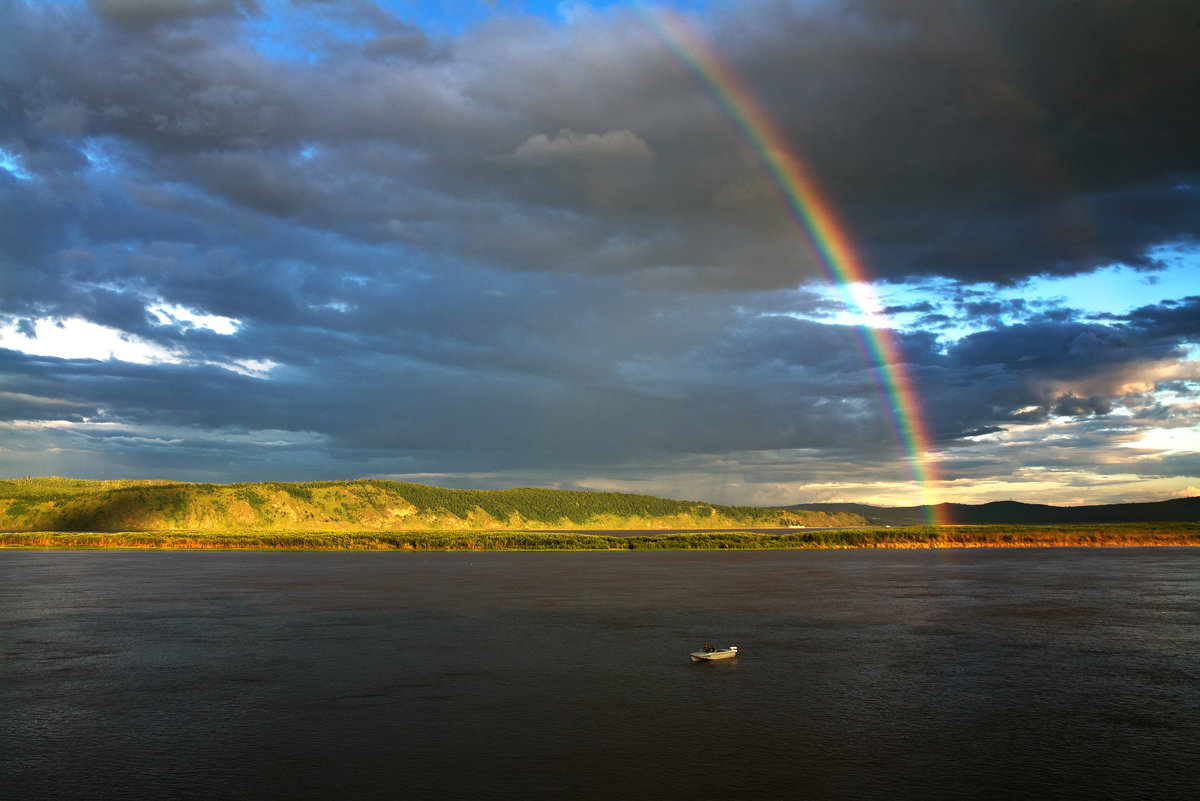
(986, 143)
(924, 307)
(1062, 347)
(1069, 405)
(1172, 319)
(994, 309)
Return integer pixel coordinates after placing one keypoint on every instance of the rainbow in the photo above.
(821, 232)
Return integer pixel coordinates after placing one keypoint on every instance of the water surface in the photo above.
(975, 673)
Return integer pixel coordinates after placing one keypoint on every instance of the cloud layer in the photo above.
(336, 243)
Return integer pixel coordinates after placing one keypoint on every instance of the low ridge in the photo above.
(1176, 510)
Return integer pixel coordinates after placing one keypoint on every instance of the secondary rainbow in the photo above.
(820, 231)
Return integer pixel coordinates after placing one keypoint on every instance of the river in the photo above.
(863, 674)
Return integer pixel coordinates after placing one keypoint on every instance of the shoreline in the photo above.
(923, 537)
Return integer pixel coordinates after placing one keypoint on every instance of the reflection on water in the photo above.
(1060, 673)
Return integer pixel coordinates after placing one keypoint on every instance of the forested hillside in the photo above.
(59, 504)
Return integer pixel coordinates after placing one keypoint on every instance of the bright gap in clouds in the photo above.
(102, 154)
(77, 338)
(1179, 438)
(456, 16)
(169, 314)
(956, 310)
(12, 165)
(290, 31)
(1169, 440)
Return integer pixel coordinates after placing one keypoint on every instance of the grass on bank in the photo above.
(1119, 534)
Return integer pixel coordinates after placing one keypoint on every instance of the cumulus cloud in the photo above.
(586, 148)
(1069, 405)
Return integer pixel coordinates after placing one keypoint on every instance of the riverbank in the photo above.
(1124, 534)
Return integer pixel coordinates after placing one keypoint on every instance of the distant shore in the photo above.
(1104, 535)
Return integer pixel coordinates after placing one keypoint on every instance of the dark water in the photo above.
(1058, 673)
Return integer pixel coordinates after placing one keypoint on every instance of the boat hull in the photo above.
(712, 656)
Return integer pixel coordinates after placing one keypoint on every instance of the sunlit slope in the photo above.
(57, 504)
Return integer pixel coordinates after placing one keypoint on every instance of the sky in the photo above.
(749, 251)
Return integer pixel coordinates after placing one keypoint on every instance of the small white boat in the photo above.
(709, 653)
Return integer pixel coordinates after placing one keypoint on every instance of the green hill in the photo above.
(60, 504)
